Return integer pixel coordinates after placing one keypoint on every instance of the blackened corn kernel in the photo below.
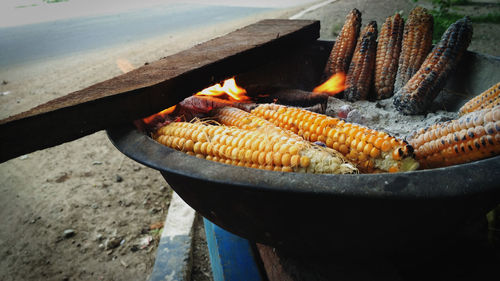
(387, 59)
(344, 46)
(422, 88)
(417, 42)
(359, 76)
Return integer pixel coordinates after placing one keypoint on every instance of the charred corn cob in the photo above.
(471, 137)
(423, 87)
(370, 150)
(417, 42)
(488, 99)
(342, 51)
(387, 59)
(251, 148)
(360, 72)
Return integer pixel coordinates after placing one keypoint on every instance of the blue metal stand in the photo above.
(231, 256)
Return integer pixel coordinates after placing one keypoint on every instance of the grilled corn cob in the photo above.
(370, 150)
(251, 148)
(360, 72)
(342, 51)
(417, 42)
(231, 116)
(471, 137)
(387, 59)
(487, 99)
(423, 87)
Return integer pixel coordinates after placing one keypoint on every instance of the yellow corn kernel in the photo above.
(274, 150)
(471, 137)
(380, 150)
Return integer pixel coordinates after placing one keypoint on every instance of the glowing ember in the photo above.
(229, 87)
(124, 65)
(333, 85)
(162, 113)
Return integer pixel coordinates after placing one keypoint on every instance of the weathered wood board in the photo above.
(151, 88)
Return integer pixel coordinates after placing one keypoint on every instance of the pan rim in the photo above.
(482, 176)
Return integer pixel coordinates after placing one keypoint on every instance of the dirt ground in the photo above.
(83, 210)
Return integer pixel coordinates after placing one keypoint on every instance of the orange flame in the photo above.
(229, 87)
(164, 112)
(333, 85)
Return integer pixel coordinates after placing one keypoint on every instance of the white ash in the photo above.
(382, 115)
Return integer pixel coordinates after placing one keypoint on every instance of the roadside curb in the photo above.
(174, 254)
(310, 9)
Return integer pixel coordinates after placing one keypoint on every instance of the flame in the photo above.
(124, 65)
(162, 113)
(333, 85)
(229, 87)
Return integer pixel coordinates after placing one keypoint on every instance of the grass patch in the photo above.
(489, 18)
(26, 6)
(444, 17)
(442, 20)
(156, 232)
(336, 28)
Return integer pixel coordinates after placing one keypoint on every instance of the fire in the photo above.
(333, 85)
(229, 87)
(162, 113)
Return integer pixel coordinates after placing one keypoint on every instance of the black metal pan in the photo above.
(364, 213)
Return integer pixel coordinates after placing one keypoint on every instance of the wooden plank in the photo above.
(173, 256)
(231, 257)
(151, 88)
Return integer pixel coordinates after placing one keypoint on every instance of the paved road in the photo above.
(41, 31)
(34, 42)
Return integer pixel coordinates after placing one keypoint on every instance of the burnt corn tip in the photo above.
(341, 53)
(359, 76)
(420, 91)
(387, 58)
(417, 42)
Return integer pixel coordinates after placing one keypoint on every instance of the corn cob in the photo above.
(487, 99)
(251, 148)
(423, 87)
(370, 150)
(386, 62)
(417, 42)
(342, 51)
(360, 72)
(231, 116)
(471, 137)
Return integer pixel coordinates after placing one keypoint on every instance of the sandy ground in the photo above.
(88, 186)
